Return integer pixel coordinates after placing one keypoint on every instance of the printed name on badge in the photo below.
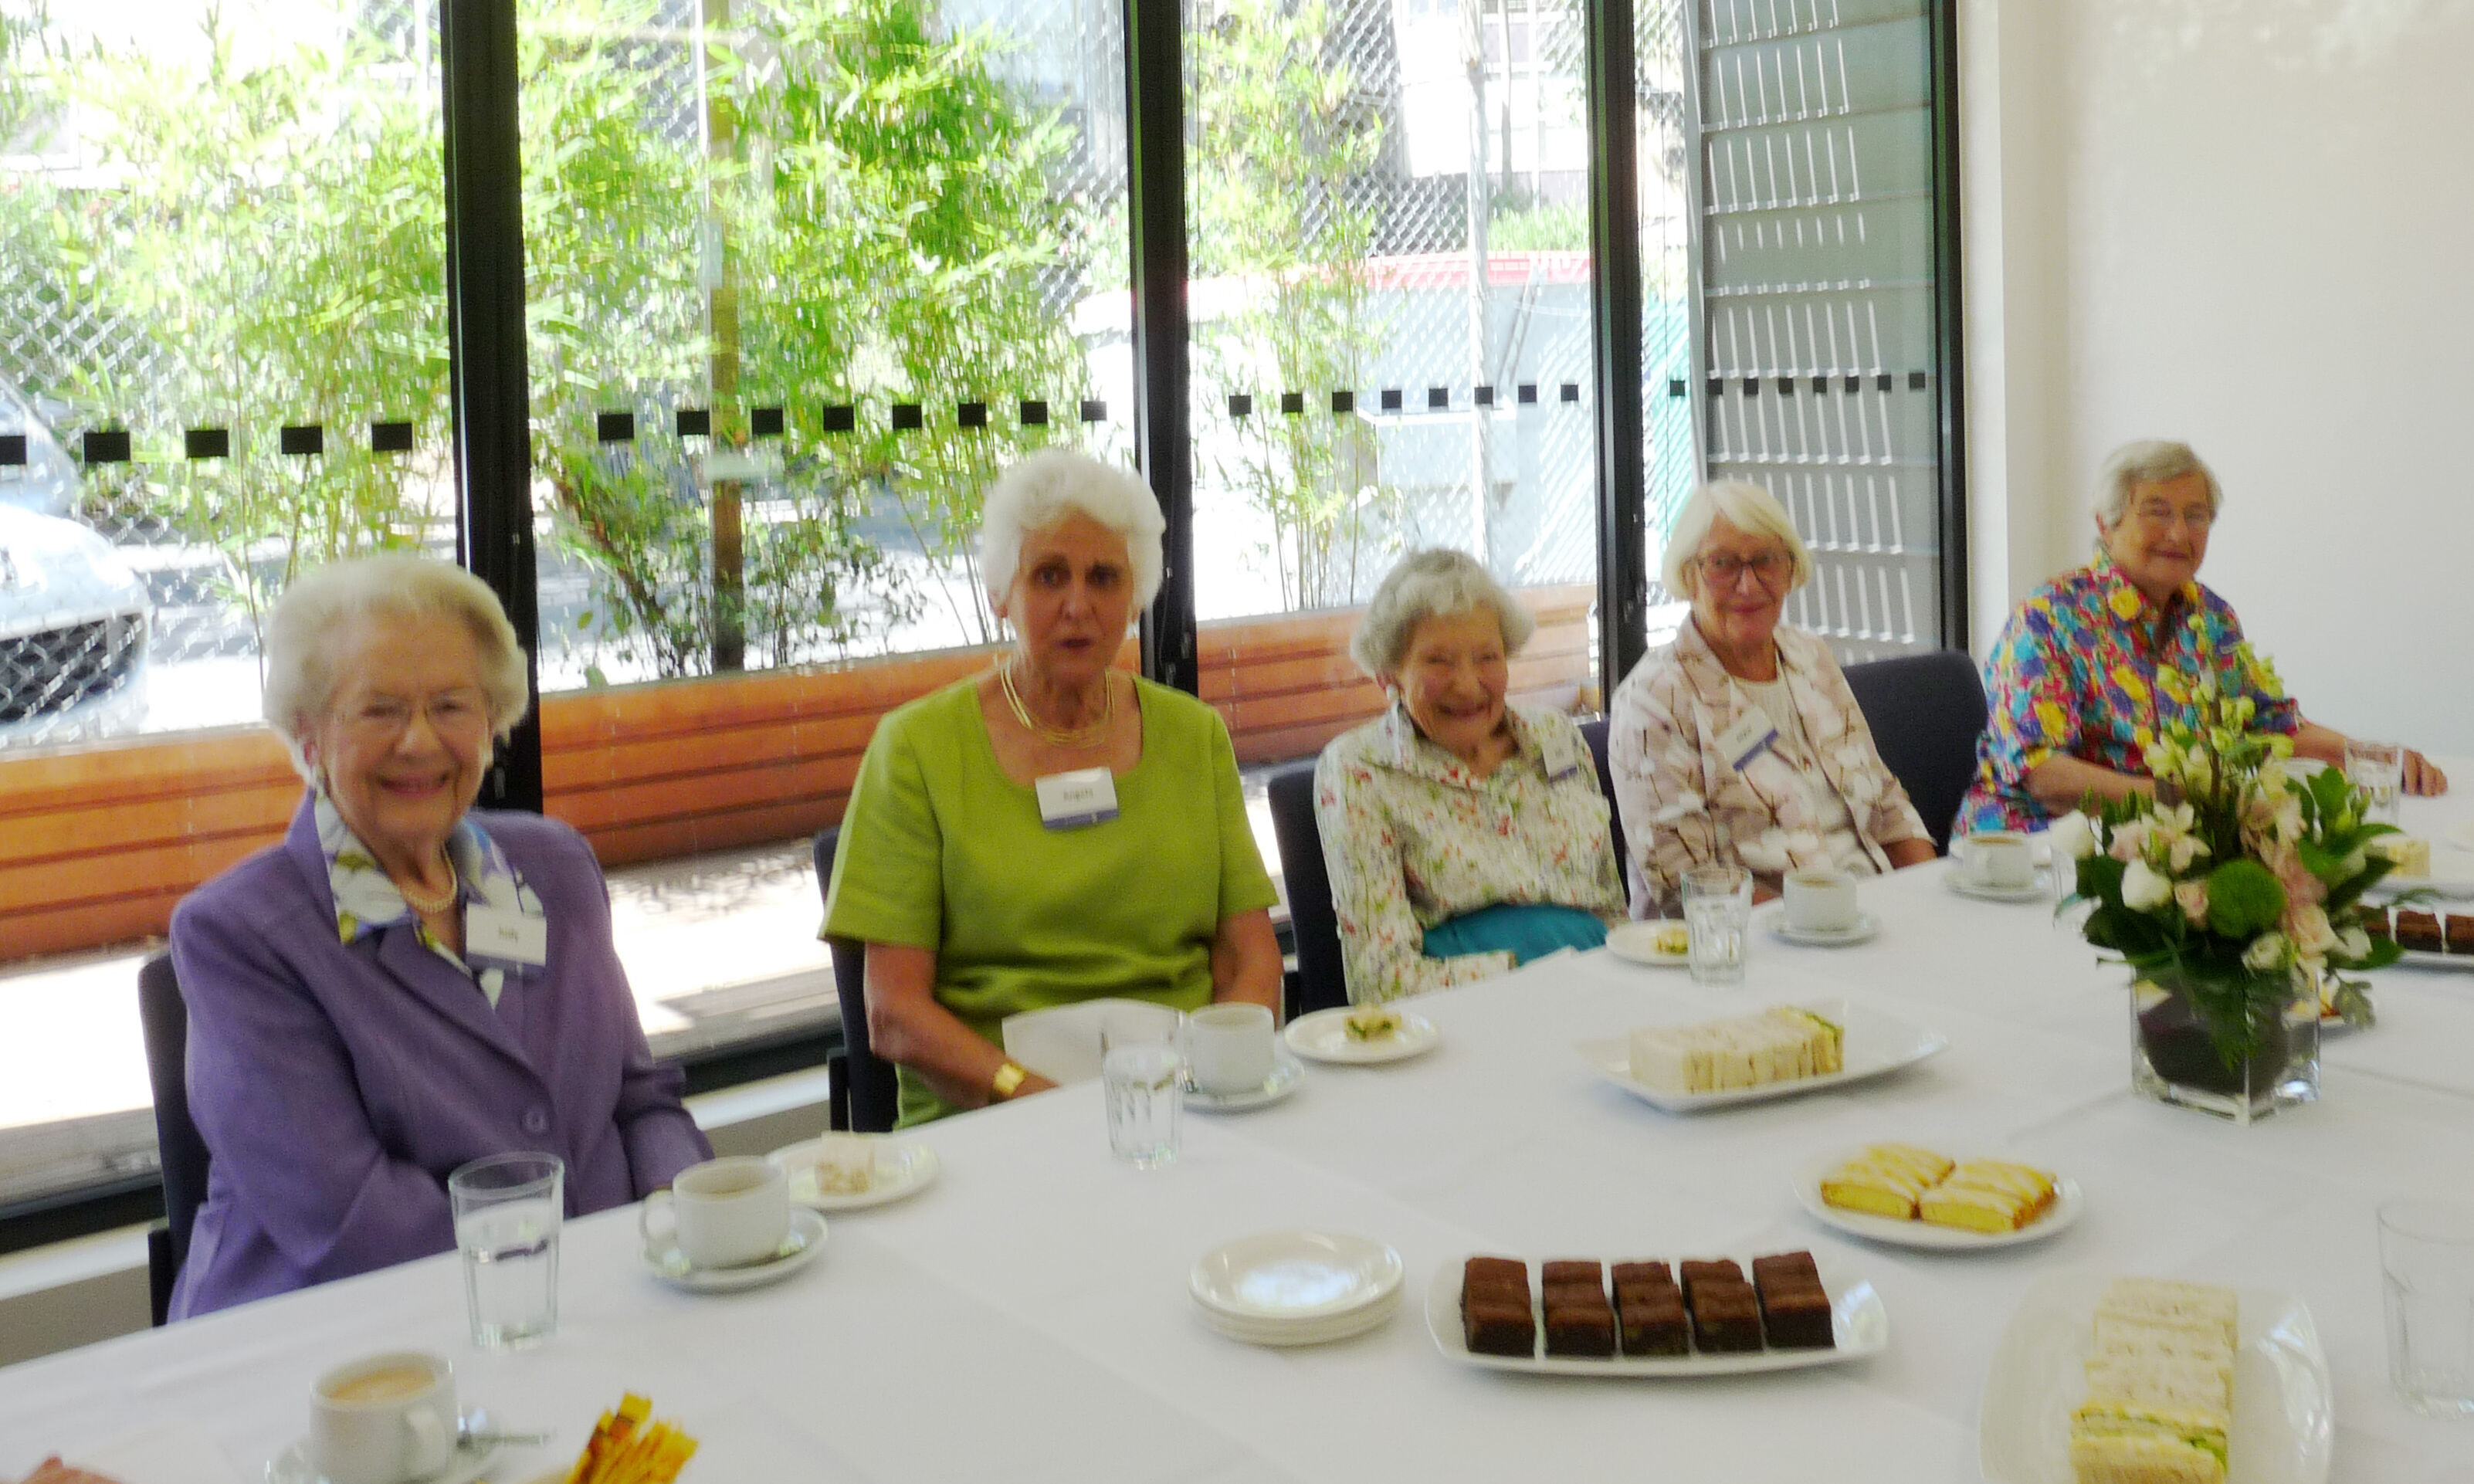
(505, 937)
(1069, 801)
(1746, 739)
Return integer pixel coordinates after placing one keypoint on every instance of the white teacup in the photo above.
(1229, 1047)
(383, 1419)
(1999, 859)
(724, 1213)
(1820, 899)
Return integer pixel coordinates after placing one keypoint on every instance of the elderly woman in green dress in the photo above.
(1054, 829)
(1463, 832)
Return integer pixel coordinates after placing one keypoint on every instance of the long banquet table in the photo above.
(1026, 1318)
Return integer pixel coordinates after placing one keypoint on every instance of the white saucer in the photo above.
(1636, 942)
(904, 1167)
(470, 1461)
(1862, 930)
(1343, 1325)
(1286, 1073)
(1324, 1036)
(806, 1240)
(1298, 1281)
(2040, 889)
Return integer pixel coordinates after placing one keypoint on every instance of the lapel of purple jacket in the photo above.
(399, 951)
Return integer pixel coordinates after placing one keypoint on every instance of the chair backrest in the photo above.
(1322, 983)
(1595, 734)
(1926, 712)
(873, 1098)
(164, 1017)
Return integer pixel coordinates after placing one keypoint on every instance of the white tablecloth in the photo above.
(1025, 1318)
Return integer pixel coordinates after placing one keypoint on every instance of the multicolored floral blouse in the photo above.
(1792, 805)
(367, 900)
(1412, 837)
(2076, 673)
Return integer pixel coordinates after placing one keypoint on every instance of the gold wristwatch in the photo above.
(1008, 1078)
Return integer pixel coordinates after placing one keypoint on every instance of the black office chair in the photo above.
(861, 1083)
(1926, 712)
(1595, 734)
(1321, 982)
(164, 1017)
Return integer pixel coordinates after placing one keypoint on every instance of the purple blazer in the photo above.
(336, 1084)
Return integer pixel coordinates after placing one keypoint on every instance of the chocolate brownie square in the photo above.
(1632, 1274)
(1568, 1295)
(1692, 1271)
(1491, 1327)
(2420, 931)
(1574, 1271)
(1581, 1330)
(1489, 1290)
(1797, 1318)
(1655, 1325)
(2460, 933)
(1509, 1268)
(1725, 1317)
(2375, 919)
(1784, 1265)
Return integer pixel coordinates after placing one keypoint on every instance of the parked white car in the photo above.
(73, 618)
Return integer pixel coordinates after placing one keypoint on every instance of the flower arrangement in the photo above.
(2237, 881)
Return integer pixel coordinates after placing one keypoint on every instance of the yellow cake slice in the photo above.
(1988, 1195)
(1877, 1189)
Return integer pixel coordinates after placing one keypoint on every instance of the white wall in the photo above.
(2244, 222)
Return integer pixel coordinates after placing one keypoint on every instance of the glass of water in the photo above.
(2427, 1268)
(2380, 767)
(1142, 1079)
(507, 1209)
(1717, 905)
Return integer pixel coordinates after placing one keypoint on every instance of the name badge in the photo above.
(504, 937)
(1069, 801)
(1748, 738)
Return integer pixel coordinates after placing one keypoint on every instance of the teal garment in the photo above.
(1526, 931)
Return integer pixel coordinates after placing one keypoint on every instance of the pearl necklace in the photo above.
(432, 905)
(1078, 739)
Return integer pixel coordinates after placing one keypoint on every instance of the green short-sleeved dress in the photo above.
(939, 849)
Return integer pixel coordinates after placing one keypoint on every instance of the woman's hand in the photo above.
(906, 1025)
(1905, 853)
(51, 1470)
(1246, 961)
(2422, 777)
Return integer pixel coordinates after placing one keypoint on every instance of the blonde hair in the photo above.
(1748, 508)
(1436, 583)
(321, 609)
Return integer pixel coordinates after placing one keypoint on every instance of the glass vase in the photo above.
(2173, 1057)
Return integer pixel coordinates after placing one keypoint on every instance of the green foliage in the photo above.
(1540, 229)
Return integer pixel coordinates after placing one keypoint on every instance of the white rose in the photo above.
(2144, 887)
(2267, 952)
(2309, 928)
(2354, 943)
(2071, 836)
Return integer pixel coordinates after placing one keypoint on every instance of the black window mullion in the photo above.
(1155, 187)
(1950, 326)
(485, 318)
(1615, 293)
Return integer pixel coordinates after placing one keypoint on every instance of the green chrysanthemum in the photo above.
(2243, 897)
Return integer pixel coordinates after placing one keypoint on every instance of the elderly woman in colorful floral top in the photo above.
(1463, 834)
(406, 983)
(2073, 687)
(1740, 742)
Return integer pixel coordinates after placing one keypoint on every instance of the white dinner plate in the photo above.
(2068, 1204)
(1873, 1044)
(1287, 1071)
(806, 1240)
(1862, 930)
(2283, 1421)
(1857, 1322)
(1320, 1331)
(904, 1167)
(1324, 1036)
(1291, 1277)
(1636, 942)
(2041, 890)
(469, 1462)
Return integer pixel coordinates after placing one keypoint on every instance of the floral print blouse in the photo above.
(1412, 837)
(367, 900)
(2075, 672)
(1684, 804)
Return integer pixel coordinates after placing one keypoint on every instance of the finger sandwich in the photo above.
(1886, 1179)
(1778, 1044)
(1988, 1195)
(2160, 1385)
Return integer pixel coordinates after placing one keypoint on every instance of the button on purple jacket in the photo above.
(336, 1084)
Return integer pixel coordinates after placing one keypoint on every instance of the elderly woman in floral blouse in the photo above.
(1463, 834)
(2073, 692)
(1740, 742)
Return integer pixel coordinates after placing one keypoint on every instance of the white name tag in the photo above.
(504, 937)
(1748, 738)
(1069, 801)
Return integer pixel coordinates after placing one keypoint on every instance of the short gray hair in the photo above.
(1054, 483)
(319, 609)
(2148, 461)
(1748, 508)
(1437, 583)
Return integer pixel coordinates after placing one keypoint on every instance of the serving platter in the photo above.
(1874, 1045)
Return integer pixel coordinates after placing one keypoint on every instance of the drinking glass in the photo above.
(507, 1209)
(2427, 1264)
(2380, 767)
(1141, 1083)
(1717, 905)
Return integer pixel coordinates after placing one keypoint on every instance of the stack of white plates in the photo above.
(1297, 1287)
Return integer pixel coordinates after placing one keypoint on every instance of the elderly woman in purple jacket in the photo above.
(404, 983)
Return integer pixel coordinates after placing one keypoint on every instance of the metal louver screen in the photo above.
(1817, 258)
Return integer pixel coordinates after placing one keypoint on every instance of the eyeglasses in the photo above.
(1769, 568)
(460, 712)
(2164, 518)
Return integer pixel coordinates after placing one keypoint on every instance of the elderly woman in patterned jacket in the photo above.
(1463, 834)
(1740, 742)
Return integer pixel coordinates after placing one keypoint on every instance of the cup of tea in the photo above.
(1820, 899)
(1228, 1047)
(723, 1213)
(383, 1419)
(2001, 860)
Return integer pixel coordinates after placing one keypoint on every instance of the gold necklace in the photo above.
(1079, 738)
(432, 905)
